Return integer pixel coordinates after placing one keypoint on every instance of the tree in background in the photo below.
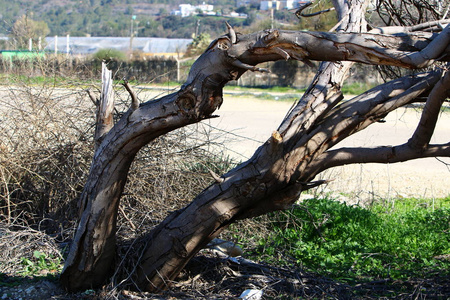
(285, 71)
(198, 45)
(109, 54)
(25, 28)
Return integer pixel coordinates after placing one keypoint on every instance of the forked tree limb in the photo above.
(269, 181)
(262, 184)
(364, 115)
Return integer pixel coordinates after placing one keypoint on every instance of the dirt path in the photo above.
(251, 122)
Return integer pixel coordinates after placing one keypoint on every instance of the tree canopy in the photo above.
(25, 29)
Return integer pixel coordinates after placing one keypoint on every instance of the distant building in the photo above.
(254, 3)
(90, 45)
(205, 7)
(279, 5)
(186, 10)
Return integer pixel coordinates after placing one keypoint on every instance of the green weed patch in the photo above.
(352, 243)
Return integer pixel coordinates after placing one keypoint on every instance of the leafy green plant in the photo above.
(199, 44)
(39, 264)
(354, 243)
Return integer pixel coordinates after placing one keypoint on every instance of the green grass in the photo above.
(34, 268)
(353, 244)
(356, 88)
(274, 93)
(56, 81)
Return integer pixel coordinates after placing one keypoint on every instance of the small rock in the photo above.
(226, 247)
(251, 294)
(29, 290)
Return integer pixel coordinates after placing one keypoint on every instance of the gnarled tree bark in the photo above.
(281, 168)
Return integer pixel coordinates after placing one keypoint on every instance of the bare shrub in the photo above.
(46, 145)
(45, 148)
(409, 12)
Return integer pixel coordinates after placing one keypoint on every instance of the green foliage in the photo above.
(25, 28)
(356, 88)
(353, 243)
(113, 18)
(40, 264)
(198, 45)
(110, 54)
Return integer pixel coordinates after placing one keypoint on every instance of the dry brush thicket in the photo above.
(46, 146)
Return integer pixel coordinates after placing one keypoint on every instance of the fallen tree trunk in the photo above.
(279, 170)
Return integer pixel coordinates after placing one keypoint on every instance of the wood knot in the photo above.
(271, 37)
(186, 102)
(223, 218)
(223, 44)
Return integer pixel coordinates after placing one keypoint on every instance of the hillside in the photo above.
(151, 18)
(113, 17)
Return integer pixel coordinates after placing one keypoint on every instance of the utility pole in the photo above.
(271, 18)
(197, 27)
(133, 17)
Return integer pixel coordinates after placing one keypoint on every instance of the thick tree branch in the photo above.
(366, 47)
(433, 51)
(382, 154)
(430, 113)
(434, 26)
(299, 12)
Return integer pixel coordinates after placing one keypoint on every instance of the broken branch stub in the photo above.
(105, 108)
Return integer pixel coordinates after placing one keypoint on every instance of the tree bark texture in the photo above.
(281, 168)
